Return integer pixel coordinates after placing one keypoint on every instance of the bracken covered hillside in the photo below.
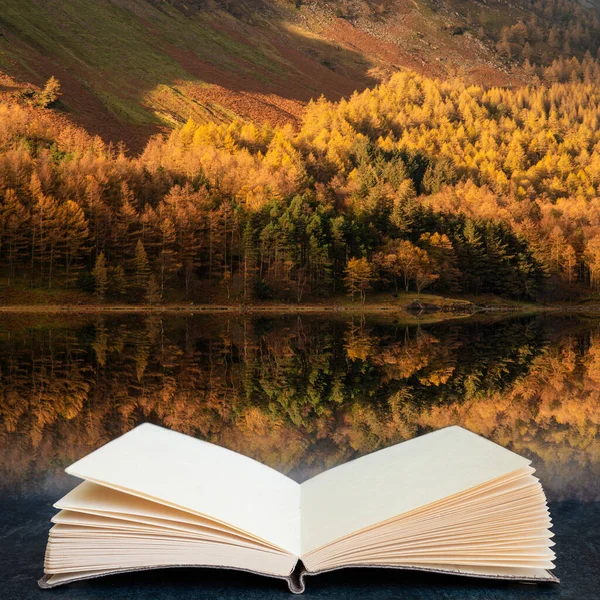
(130, 68)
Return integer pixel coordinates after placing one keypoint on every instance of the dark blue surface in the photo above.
(23, 534)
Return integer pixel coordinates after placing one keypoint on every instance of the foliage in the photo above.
(50, 94)
(359, 275)
(458, 188)
(100, 274)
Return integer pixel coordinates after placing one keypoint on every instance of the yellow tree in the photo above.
(168, 264)
(556, 244)
(100, 274)
(402, 259)
(359, 276)
(591, 257)
(14, 224)
(73, 231)
(569, 263)
(50, 94)
(424, 274)
(443, 260)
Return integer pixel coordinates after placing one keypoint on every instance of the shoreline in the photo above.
(452, 310)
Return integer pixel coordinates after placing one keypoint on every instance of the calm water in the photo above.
(302, 395)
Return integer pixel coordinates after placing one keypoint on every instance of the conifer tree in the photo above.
(592, 261)
(73, 228)
(153, 293)
(45, 235)
(100, 274)
(568, 264)
(50, 94)
(167, 258)
(140, 271)
(472, 258)
(117, 281)
(14, 220)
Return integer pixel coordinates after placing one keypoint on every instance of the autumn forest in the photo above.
(413, 185)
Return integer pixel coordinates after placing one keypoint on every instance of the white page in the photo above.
(393, 481)
(91, 498)
(194, 475)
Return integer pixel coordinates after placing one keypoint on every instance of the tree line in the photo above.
(416, 184)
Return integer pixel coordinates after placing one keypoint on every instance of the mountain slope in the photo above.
(129, 68)
(147, 65)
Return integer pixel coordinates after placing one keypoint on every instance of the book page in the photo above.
(92, 499)
(187, 473)
(396, 480)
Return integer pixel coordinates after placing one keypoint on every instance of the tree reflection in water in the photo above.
(301, 394)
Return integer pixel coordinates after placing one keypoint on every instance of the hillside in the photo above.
(415, 184)
(131, 68)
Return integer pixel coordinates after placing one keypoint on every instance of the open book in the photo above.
(449, 502)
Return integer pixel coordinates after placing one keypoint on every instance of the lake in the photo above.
(301, 394)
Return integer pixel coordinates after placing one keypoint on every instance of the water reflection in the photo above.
(300, 394)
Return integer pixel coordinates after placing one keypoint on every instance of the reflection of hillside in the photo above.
(551, 414)
(301, 395)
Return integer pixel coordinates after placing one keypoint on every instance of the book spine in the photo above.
(296, 579)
